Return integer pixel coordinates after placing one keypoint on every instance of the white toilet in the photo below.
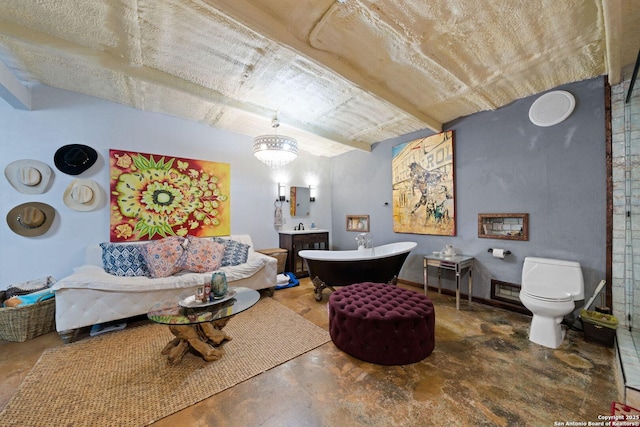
(549, 289)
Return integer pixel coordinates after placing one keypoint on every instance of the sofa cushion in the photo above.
(162, 256)
(122, 259)
(201, 255)
(235, 253)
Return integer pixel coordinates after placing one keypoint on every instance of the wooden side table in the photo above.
(459, 263)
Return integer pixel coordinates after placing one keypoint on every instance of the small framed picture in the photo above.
(358, 223)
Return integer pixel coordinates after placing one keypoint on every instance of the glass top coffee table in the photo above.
(199, 326)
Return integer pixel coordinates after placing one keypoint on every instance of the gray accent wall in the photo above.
(503, 164)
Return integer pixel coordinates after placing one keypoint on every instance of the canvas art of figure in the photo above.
(155, 196)
(423, 186)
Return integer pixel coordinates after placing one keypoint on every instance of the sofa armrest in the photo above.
(259, 255)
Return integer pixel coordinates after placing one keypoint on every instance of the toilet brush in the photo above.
(598, 326)
(595, 294)
(602, 308)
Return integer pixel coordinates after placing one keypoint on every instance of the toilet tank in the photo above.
(553, 273)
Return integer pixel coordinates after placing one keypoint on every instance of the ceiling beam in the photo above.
(123, 67)
(256, 19)
(12, 91)
(612, 13)
(315, 130)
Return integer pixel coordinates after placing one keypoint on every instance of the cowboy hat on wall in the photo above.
(28, 176)
(73, 159)
(82, 195)
(31, 219)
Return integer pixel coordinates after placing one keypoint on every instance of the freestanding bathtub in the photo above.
(381, 264)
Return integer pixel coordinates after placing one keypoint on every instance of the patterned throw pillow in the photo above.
(162, 256)
(201, 255)
(123, 259)
(235, 253)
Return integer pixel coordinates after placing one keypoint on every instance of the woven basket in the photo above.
(277, 253)
(23, 323)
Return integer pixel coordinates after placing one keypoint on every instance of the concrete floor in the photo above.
(483, 372)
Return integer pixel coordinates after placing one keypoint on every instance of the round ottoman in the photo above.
(381, 323)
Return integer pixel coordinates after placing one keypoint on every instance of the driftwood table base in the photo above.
(205, 339)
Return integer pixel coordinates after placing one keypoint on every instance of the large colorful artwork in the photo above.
(156, 196)
(424, 186)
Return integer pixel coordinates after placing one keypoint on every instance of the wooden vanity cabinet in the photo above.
(295, 243)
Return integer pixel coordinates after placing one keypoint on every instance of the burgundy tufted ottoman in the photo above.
(381, 323)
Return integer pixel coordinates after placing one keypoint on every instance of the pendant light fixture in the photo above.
(275, 150)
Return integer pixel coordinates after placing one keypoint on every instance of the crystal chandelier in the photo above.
(275, 150)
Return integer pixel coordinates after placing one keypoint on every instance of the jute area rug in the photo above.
(121, 379)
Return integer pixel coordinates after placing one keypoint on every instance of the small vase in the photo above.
(218, 285)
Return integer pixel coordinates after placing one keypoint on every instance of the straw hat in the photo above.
(74, 159)
(28, 176)
(31, 219)
(82, 195)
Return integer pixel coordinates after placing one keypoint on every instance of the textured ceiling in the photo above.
(339, 74)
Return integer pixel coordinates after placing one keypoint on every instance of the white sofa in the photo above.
(91, 296)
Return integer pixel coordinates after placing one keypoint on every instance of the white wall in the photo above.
(61, 117)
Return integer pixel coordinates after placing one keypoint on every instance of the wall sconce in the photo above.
(282, 192)
(312, 193)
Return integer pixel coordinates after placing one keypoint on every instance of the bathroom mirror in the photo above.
(508, 226)
(299, 201)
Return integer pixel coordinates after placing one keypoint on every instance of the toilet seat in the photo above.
(547, 294)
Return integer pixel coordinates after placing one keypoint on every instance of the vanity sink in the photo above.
(307, 231)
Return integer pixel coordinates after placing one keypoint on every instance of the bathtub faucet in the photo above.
(364, 241)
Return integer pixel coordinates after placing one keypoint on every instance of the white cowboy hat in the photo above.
(28, 176)
(31, 219)
(82, 195)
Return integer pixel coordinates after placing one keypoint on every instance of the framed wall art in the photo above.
(358, 223)
(155, 196)
(424, 186)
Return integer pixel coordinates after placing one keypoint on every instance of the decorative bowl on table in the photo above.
(191, 302)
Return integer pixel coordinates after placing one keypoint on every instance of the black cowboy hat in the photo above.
(74, 159)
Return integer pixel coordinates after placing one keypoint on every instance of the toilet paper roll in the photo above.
(498, 253)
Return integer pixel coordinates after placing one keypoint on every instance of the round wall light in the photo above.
(552, 108)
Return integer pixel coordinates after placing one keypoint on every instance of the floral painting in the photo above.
(424, 186)
(156, 196)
